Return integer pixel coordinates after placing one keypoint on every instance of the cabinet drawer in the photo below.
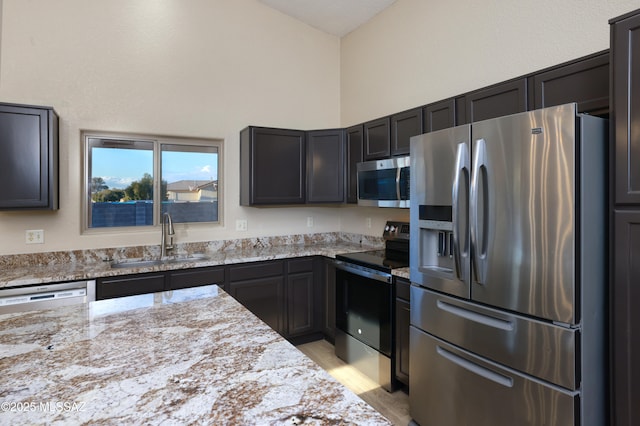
(300, 265)
(129, 286)
(196, 277)
(256, 270)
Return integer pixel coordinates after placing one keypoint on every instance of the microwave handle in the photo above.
(398, 169)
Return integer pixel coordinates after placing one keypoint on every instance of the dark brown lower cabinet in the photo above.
(185, 278)
(300, 297)
(129, 285)
(625, 317)
(328, 278)
(286, 294)
(403, 309)
(259, 287)
(281, 293)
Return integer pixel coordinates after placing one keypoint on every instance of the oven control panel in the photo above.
(396, 231)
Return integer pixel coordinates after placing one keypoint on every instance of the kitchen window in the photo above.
(130, 181)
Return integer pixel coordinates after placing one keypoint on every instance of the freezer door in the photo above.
(451, 386)
(440, 241)
(534, 347)
(523, 197)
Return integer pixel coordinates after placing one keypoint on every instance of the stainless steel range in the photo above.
(365, 308)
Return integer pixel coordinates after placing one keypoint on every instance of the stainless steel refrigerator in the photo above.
(508, 270)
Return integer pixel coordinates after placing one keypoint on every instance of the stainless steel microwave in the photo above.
(384, 183)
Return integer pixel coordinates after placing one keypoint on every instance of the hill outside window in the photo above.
(130, 181)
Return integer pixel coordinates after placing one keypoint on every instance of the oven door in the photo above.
(364, 305)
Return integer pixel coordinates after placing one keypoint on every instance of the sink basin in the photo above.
(135, 263)
(141, 263)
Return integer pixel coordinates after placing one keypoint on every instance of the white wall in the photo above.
(421, 51)
(208, 68)
(202, 68)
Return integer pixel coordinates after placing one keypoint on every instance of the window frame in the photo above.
(157, 141)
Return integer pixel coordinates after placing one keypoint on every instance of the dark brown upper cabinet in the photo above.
(377, 139)
(28, 157)
(585, 81)
(272, 166)
(325, 166)
(495, 101)
(625, 53)
(354, 137)
(439, 115)
(403, 126)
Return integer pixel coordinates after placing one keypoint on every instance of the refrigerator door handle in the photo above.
(475, 368)
(479, 212)
(461, 179)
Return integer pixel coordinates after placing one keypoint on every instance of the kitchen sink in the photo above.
(143, 263)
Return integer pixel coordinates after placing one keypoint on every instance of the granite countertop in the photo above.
(34, 269)
(178, 357)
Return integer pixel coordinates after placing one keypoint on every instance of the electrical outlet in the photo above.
(34, 236)
(241, 225)
(368, 221)
(310, 222)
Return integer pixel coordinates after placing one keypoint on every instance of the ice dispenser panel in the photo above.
(436, 239)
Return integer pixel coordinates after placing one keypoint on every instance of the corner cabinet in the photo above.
(272, 166)
(625, 251)
(325, 166)
(282, 293)
(28, 157)
(283, 166)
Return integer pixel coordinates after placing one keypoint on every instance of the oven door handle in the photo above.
(367, 273)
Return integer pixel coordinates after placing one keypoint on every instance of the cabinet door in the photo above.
(325, 166)
(329, 296)
(195, 277)
(28, 158)
(377, 139)
(403, 126)
(272, 166)
(264, 297)
(585, 82)
(625, 48)
(496, 101)
(403, 315)
(354, 156)
(625, 319)
(440, 115)
(129, 285)
(300, 304)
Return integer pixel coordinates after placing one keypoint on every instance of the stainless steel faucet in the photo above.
(167, 230)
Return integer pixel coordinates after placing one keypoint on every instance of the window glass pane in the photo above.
(189, 182)
(121, 183)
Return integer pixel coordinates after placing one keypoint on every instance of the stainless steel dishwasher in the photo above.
(46, 296)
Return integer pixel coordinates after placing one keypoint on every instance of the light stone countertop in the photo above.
(186, 356)
(45, 268)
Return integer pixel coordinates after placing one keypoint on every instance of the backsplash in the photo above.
(181, 249)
